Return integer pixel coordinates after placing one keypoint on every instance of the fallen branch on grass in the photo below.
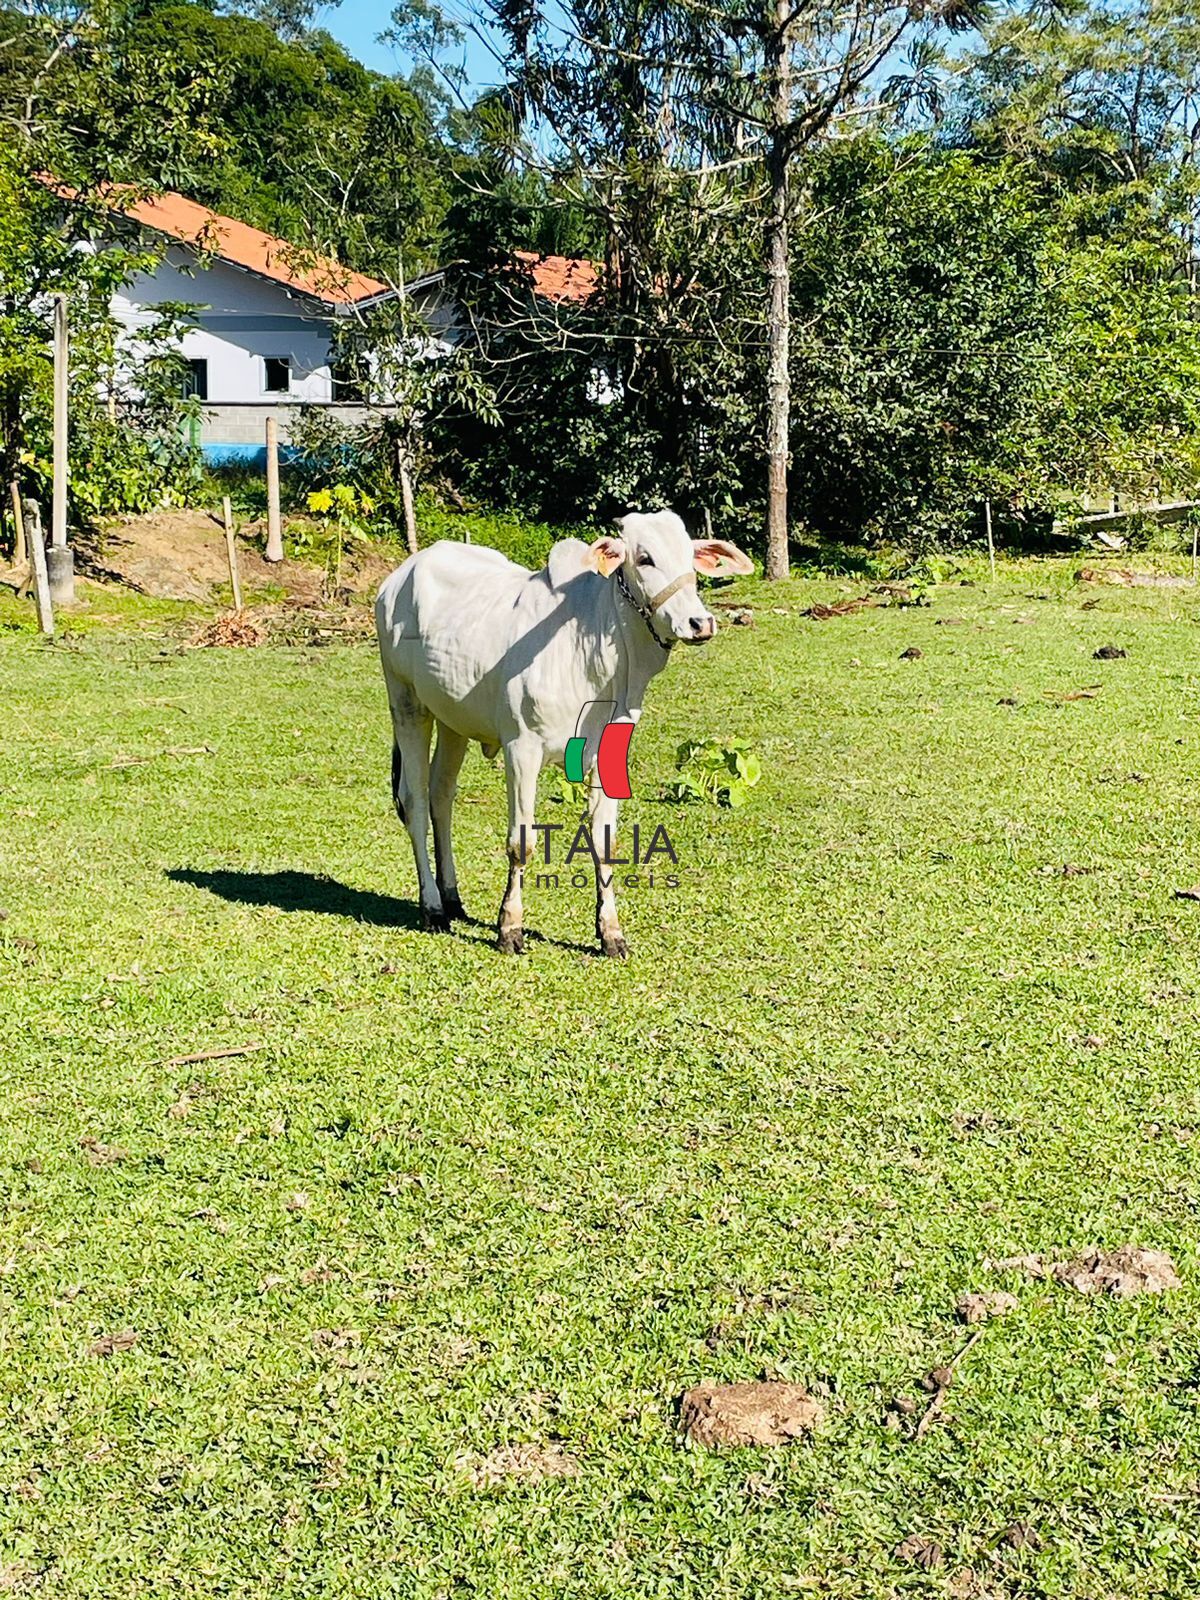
(211, 1055)
(942, 1378)
(1127, 578)
(845, 608)
(1064, 696)
(173, 750)
(883, 594)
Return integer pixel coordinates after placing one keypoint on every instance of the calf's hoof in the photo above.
(510, 941)
(434, 921)
(453, 907)
(613, 944)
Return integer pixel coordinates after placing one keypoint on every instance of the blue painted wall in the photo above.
(245, 455)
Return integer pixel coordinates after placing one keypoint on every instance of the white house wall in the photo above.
(241, 321)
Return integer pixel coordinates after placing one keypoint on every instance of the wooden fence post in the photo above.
(20, 543)
(62, 558)
(274, 550)
(401, 459)
(231, 552)
(987, 516)
(32, 517)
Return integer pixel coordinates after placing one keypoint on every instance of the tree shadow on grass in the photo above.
(302, 891)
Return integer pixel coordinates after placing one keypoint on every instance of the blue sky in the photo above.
(357, 23)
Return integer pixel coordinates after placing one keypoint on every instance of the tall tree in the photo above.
(294, 136)
(55, 73)
(686, 87)
(1105, 96)
(291, 19)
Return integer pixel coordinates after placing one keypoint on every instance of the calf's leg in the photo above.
(443, 786)
(522, 763)
(412, 727)
(602, 819)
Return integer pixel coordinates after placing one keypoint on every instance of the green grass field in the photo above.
(454, 1203)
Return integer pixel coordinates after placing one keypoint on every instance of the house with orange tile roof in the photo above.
(262, 337)
(265, 312)
(561, 279)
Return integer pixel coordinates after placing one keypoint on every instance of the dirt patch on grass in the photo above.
(973, 1308)
(180, 555)
(1121, 1273)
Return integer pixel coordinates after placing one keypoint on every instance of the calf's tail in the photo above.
(397, 767)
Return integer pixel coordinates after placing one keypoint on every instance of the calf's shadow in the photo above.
(302, 891)
(308, 891)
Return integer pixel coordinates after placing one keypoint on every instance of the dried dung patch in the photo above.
(1021, 1536)
(770, 1413)
(918, 1551)
(1123, 1272)
(972, 1308)
(113, 1343)
(100, 1154)
(17, 1578)
(529, 1463)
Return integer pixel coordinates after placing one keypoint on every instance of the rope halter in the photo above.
(685, 580)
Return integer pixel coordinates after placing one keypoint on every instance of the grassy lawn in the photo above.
(454, 1203)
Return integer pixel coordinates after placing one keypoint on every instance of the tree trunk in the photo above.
(778, 322)
(406, 494)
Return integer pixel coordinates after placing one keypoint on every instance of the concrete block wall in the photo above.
(237, 433)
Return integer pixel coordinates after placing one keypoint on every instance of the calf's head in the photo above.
(658, 563)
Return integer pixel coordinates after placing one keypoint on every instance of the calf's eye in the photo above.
(645, 561)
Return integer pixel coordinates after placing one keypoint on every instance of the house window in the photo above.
(278, 379)
(194, 380)
(350, 381)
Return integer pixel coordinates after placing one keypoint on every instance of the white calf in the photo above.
(511, 658)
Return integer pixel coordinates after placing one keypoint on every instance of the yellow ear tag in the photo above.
(603, 559)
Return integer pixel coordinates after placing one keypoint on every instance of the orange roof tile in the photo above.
(561, 278)
(192, 224)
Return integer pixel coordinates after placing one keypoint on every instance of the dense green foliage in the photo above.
(963, 337)
(311, 145)
(993, 270)
(129, 439)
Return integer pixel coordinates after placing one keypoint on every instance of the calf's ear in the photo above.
(605, 555)
(719, 558)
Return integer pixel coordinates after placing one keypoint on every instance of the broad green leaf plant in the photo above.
(720, 774)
